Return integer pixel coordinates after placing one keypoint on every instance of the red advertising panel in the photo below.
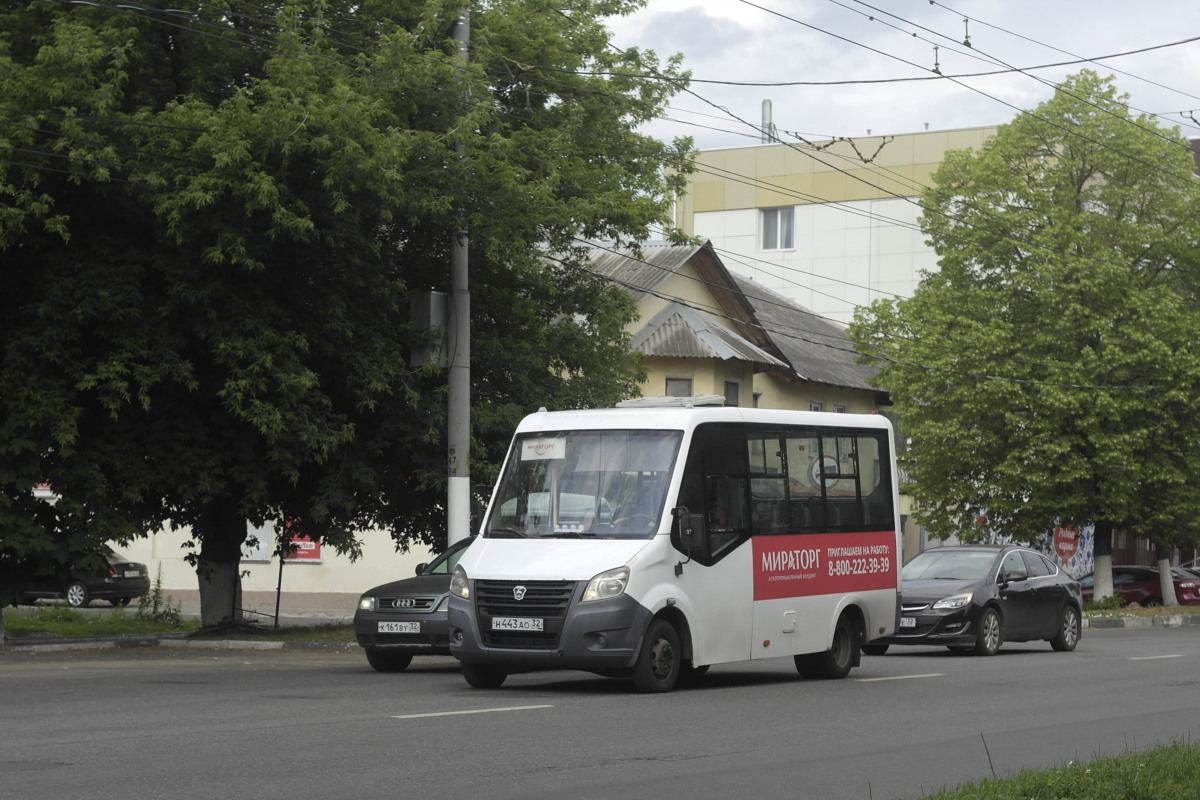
(304, 549)
(799, 565)
(1066, 543)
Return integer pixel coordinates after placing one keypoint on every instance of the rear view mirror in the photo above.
(689, 534)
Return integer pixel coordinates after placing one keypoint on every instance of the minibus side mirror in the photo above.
(689, 534)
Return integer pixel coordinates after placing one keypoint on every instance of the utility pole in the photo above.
(458, 324)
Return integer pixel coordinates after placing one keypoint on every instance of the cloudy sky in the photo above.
(843, 68)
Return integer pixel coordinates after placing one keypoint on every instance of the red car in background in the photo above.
(1143, 586)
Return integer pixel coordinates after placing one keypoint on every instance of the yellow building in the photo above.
(831, 225)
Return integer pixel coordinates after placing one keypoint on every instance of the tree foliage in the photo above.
(213, 216)
(1047, 373)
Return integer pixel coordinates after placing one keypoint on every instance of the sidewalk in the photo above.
(307, 617)
(255, 611)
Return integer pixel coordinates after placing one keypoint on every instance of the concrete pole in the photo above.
(458, 325)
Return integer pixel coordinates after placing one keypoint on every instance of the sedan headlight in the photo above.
(458, 583)
(607, 584)
(953, 602)
(366, 603)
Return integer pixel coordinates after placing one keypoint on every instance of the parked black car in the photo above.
(404, 618)
(119, 582)
(974, 598)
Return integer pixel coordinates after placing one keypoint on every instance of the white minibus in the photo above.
(655, 542)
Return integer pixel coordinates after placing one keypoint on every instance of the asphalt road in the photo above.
(268, 725)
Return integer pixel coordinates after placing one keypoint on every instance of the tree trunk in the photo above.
(221, 531)
(1166, 580)
(1102, 551)
(220, 592)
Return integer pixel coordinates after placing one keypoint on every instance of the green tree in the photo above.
(213, 216)
(1047, 373)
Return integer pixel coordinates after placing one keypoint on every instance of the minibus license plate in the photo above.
(908, 622)
(399, 627)
(516, 624)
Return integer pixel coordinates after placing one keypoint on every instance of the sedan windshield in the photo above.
(954, 565)
(584, 483)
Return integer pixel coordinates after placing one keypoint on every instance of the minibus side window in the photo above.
(715, 484)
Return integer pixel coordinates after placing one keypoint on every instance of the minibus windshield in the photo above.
(594, 483)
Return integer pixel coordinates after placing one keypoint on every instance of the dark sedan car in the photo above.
(118, 582)
(1142, 585)
(976, 598)
(404, 618)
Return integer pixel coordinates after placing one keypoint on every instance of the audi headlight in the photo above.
(366, 603)
(607, 584)
(953, 602)
(458, 583)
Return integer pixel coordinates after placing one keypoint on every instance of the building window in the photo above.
(778, 228)
(839, 409)
(814, 406)
(758, 399)
(679, 387)
(731, 393)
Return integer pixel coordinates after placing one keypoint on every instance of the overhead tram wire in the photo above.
(353, 68)
(858, 177)
(1082, 59)
(959, 83)
(964, 373)
(976, 53)
(719, 313)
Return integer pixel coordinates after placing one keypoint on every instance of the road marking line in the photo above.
(901, 677)
(1151, 658)
(474, 711)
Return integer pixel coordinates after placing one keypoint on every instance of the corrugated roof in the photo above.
(680, 332)
(817, 350)
(658, 262)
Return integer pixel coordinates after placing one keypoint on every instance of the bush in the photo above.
(1110, 603)
(153, 607)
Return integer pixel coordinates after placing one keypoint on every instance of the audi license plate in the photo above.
(133, 573)
(908, 622)
(516, 624)
(399, 627)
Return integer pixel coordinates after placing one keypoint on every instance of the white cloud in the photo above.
(837, 40)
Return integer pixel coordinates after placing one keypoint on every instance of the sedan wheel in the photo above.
(991, 633)
(77, 595)
(1068, 631)
(383, 661)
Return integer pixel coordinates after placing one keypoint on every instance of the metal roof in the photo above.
(818, 350)
(681, 332)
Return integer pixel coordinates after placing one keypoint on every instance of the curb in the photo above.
(1171, 621)
(168, 641)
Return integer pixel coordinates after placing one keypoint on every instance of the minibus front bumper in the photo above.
(597, 636)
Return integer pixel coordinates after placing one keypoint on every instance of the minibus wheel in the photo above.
(483, 676)
(660, 659)
(834, 663)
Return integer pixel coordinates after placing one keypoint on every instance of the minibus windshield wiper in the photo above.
(506, 533)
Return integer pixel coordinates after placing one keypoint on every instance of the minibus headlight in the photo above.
(458, 583)
(953, 602)
(607, 584)
(366, 603)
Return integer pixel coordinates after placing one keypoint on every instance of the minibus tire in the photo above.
(483, 676)
(660, 660)
(834, 663)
